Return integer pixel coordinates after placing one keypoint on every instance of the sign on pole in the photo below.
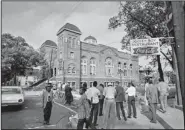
(145, 46)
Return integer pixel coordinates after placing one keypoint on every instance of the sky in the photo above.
(37, 22)
(40, 21)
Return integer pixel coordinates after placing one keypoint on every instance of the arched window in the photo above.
(69, 39)
(71, 69)
(60, 43)
(119, 66)
(84, 65)
(131, 70)
(73, 43)
(109, 67)
(60, 55)
(125, 69)
(55, 71)
(92, 66)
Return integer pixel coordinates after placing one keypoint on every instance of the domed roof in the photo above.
(90, 37)
(49, 43)
(70, 27)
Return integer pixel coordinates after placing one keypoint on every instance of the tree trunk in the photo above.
(15, 80)
(178, 89)
(160, 68)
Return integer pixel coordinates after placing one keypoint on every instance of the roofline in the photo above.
(48, 46)
(91, 38)
(60, 31)
(89, 43)
(89, 50)
(10, 86)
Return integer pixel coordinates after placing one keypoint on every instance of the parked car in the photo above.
(12, 96)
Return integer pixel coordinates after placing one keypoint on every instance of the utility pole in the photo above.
(178, 89)
(172, 23)
(50, 65)
(178, 22)
(63, 71)
(120, 72)
(80, 73)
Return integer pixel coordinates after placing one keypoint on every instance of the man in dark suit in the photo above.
(47, 101)
(119, 98)
(68, 95)
(152, 97)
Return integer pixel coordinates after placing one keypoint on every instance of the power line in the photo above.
(73, 9)
(111, 43)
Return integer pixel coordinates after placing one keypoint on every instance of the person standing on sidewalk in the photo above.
(163, 93)
(152, 97)
(131, 99)
(47, 101)
(119, 98)
(146, 86)
(68, 95)
(109, 106)
(95, 93)
(83, 109)
(101, 99)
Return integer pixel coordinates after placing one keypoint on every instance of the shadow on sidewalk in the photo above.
(147, 113)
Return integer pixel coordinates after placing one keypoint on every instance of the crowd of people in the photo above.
(108, 102)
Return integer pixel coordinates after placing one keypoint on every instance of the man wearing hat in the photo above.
(109, 108)
(47, 98)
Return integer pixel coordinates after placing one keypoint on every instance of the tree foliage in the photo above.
(171, 76)
(17, 56)
(142, 19)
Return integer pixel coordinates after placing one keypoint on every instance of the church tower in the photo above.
(68, 53)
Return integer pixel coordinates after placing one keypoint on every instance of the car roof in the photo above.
(11, 87)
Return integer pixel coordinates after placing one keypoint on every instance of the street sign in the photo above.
(145, 46)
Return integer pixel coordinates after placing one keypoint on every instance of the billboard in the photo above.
(145, 46)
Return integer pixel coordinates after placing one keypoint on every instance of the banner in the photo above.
(145, 46)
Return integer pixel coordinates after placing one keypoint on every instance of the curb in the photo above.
(159, 119)
(179, 107)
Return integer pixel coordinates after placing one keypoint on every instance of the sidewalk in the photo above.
(141, 122)
(173, 117)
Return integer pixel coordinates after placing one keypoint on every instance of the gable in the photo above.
(109, 50)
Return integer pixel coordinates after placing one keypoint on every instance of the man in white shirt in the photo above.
(89, 93)
(109, 106)
(94, 94)
(131, 91)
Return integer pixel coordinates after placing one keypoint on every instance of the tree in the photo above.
(142, 19)
(17, 56)
(171, 76)
(44, 72)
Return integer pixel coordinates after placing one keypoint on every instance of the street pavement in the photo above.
(31, 115)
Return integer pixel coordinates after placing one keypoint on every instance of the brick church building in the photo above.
(96, 62)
